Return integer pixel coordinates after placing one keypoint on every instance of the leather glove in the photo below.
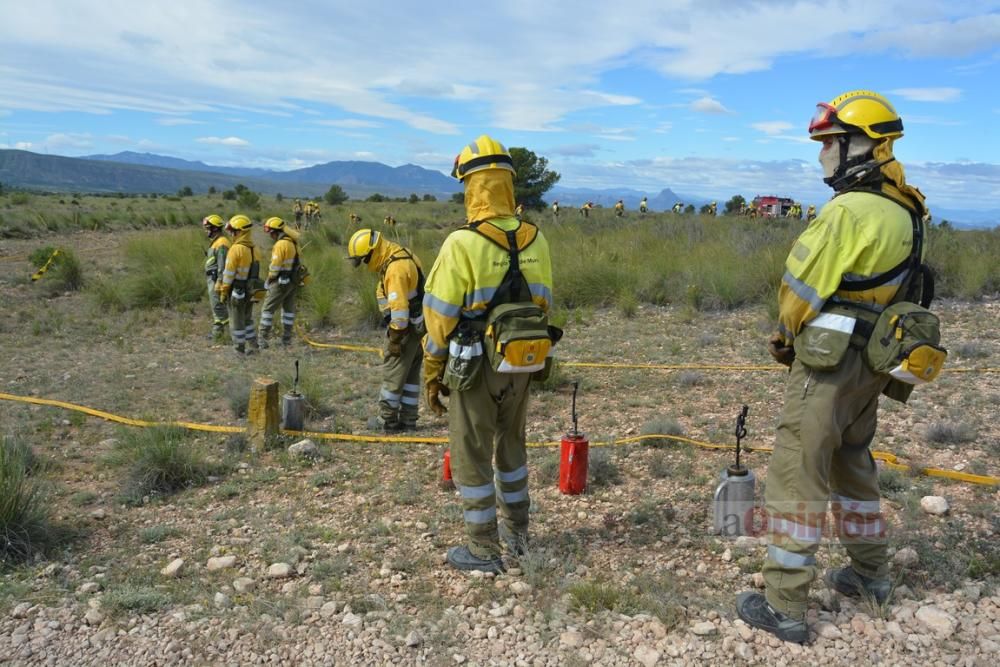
(394, 347)
(433, 386)
(783, 354)
(223, 296)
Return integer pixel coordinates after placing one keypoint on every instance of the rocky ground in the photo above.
(337, 558)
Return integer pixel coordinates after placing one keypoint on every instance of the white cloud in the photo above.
(223, 141)
(708, 105)
(772, 127)
(68, 140)
(24, 145)
(928, 94)
(171, 121)
(348, 123)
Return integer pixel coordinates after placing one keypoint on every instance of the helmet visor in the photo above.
(824, 117)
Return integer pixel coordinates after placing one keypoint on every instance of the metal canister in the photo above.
(734, 502)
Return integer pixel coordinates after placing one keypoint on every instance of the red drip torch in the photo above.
(575, 457)
(446, 481)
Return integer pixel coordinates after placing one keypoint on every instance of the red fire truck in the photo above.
(769, 206)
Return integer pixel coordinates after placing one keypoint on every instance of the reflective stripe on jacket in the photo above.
(857, 236)
(468, 270)
(399, 284)
(283, 256)
(239, 259)
(216, 254)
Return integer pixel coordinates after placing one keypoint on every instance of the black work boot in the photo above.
(852, 584)
(286, 335)
(262, 338)
(380, 424)
(755, 611)
(515, 542)
(240, 349)
(461, 558)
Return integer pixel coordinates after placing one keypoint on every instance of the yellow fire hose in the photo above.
(888, 458)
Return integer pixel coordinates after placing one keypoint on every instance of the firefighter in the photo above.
(585, 209)
(743, 208)
(555, 209)
(752, 209)
(215, 261)
(835, 277)
(389, 221)
(619, 208)
(297, 211)
(713, 209)
(643, 207)
(240, 279)
(400, 294)
(487, 417)
(811, 213)
(678, 208)
(282, 282)
(355, 219)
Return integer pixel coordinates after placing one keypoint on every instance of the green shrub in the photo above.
(949, 433)
(160, 461)
(134, 599)
(603, 471)
(62, 274)
(25, 529)
(165, 269)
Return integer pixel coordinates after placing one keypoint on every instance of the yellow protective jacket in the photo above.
(857, 236)
(468, 271)
(239, 260)
(399, 292)
(283, 256)
(215, 256)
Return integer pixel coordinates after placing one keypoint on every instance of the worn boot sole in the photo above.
(461, 558)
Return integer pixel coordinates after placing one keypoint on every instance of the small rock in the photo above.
(352, 620)
(701, 569)
(938, 621)
(571, 639)
(222, 601)
(98, 514)
(704, 628)
(329, 609)
(520, 588)
(88, 588)
(758, 579)
(244, 585)
(906, 557)
(581, 515)
(420, 525)
(414, 640)
(21, 610)
(458, 658)
(647, 655)
(93, 617)
(220, 563)
(934, 505)
(727, 555)
(743, 651)
(827, 630)
(173, 568)
(746, 543)
(279, 571)
(305, 449)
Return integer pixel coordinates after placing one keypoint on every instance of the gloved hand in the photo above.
(433, 386)
(783, 354)
(394, 348)
(223, 295)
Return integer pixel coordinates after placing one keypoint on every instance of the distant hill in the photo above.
(362, 176)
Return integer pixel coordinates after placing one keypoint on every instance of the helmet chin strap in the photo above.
(858, 169)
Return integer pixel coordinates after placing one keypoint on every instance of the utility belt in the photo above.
(213, 274)
(902, 341)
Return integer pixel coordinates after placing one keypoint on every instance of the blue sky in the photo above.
(707, 97)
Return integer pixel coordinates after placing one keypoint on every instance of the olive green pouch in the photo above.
(824, 340)
(906, 344)
(465, 362)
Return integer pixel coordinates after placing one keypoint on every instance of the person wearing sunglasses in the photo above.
(860, 254)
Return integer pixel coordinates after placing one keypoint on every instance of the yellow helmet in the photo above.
(213, 221)
(361, 245)
(483, 153)
(273, 225)
(239, 222)
(857, 111)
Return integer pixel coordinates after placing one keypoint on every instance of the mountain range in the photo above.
(133, 172)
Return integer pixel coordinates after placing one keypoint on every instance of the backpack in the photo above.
(517, 337)
(904, 342)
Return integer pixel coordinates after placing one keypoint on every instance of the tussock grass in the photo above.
(603, 471)
(949, 433)
(64, 274)
(25, 527)
(160, 461)
(135, 599)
